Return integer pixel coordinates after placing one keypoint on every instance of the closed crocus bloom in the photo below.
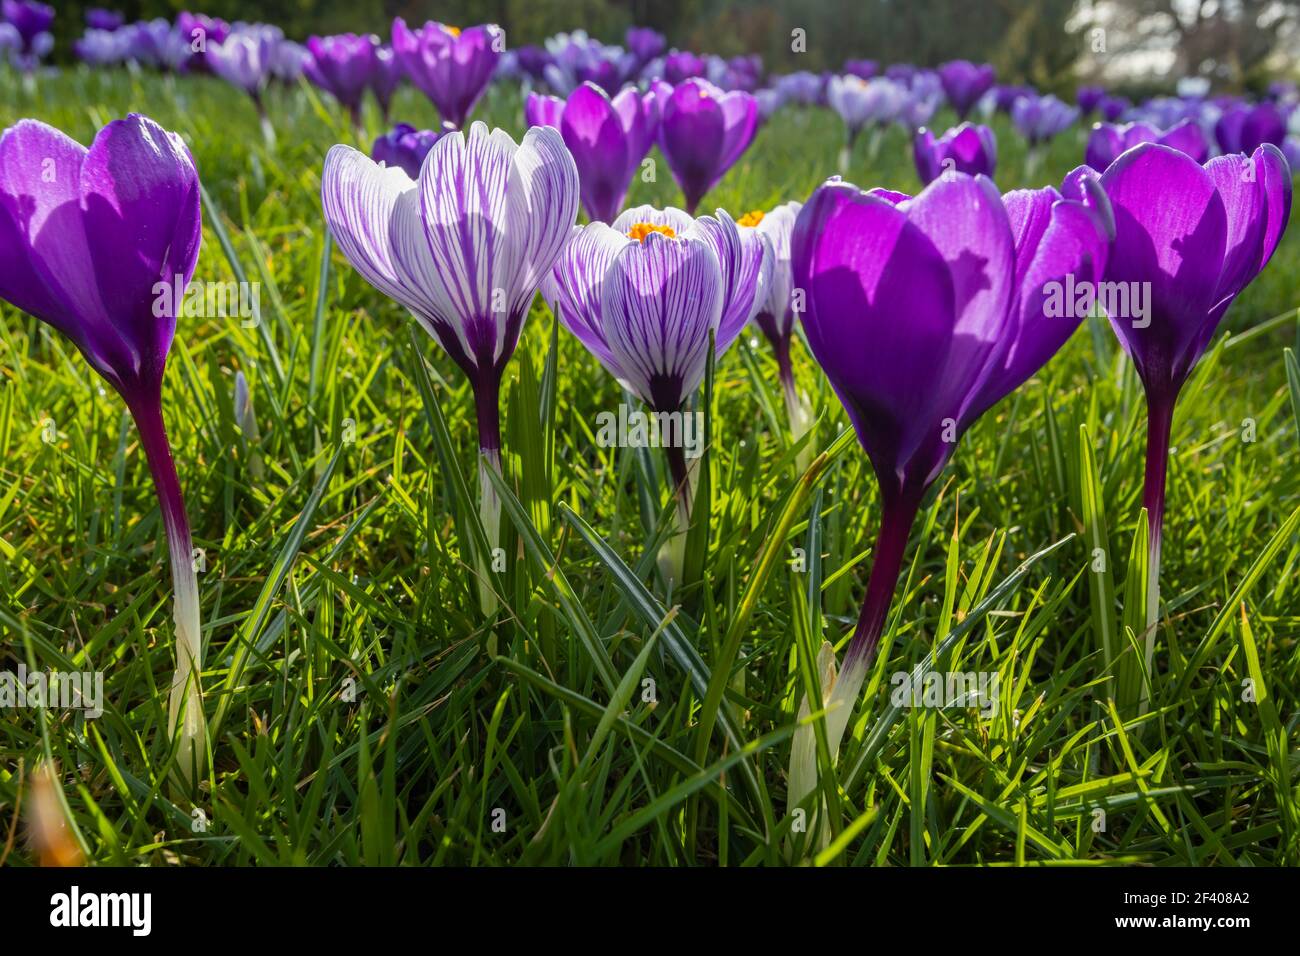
(643, 295)
(100, 244)
(98, 18)
(968, 148)
(866, 69)
(859, 102)
(1242, 129)
(702, 132)
(387, 76)
(451, 67)
(1041, 119)
(682, 65)
(463, 247)
(1089, 98)
(607, 137)
(31, 20)
(1112, 108)
(970, 271)
(1194, 236)
(964, 83)
(1107, 142)
(244, 60)
(343, 66)
(644, 44)
(774, 313)
(404, 147)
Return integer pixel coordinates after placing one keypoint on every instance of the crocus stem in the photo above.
(796, 409)
(840, 691)
(672, 557)
(487, 407)
(268, 131)
(185, 721)
(1160, 420)
(358, 123)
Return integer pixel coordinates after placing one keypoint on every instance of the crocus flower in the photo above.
(644, 293)
(1113, 107)
(576, 58)
(702, 132)
(774, 313)
(1040, 119)
(343, 66)
(28, 18)
(1195, 236)
(385, 78)
(1243, 129)
(800, 87)
(607, 137)
(95, 48)
(644, 44)
(1089, 98)
(682, 65)
(1004, 97)
(405, 147)
(98, 18)
(967, 148)
(964, 83)
(100, 244)
(860, 101)
(243, 60)
(971, 271)
(464, 248)
(1107, 141)
(451, 67)
(863, 69)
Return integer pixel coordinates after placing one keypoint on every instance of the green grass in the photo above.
(360, 716)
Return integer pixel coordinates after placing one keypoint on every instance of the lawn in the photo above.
(365, 711)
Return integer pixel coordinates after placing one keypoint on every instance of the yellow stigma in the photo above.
(454, 31)
(643, 229)
(751, 218)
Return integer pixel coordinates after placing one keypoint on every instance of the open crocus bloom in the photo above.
(451, 67)
(1195, 236)
(463, 247)
(644, 293)
(607, 137)
(924, 312)
(100, 243)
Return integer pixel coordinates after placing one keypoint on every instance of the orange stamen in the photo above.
(643, 229)
(751, 218)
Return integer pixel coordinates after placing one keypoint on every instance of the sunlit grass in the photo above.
(357, 714)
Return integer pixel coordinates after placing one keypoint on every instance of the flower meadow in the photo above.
(447, 452)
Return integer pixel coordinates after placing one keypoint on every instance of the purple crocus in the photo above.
(972, 272)
(967, 148)
(863, 69)
(463, 248)
(643, 295)
(1112, 108)
(97, 18)
(100, 244)
(702, 132)
(644, 44)
(1089, 98)
(451, 67)
(405, 147)
(1194, 237)
(1242, 129)
(1040, 119)
(607, 137)
(386, 76)
(243, 59)
(683, 65)
(30, 19)
(343, 66)
(1107, 142)
(859, 102)
(964, 83)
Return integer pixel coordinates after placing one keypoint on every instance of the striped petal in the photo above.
(660, 299)
(574, 286)
(745, 258)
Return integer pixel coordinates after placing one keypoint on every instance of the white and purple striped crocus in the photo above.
(774, 313)
(452, 67)
(607, 137)
(1195, 236)
(643, 295)
(968, 148)
(463, 247)
(101, 243)
(702, 132)
(950, 288)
